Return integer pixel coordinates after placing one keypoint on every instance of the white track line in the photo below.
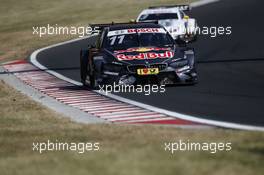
(33, 60)
(202, 2)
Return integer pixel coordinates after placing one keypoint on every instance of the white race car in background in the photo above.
(181, 27)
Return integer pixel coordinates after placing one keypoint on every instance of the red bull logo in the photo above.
(142, 49)
(143, 56)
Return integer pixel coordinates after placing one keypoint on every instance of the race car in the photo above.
(136, 53)
(181, 27)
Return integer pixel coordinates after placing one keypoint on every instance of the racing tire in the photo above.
(93, 82)
(91, 78)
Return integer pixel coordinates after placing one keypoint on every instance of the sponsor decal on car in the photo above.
(143, 56)
(148, 71)
(133, 31)
(141, 49)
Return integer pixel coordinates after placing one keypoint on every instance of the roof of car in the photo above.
(134, 26)
(160, 10)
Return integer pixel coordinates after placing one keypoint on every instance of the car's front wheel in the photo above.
(91, 79)
(83, 65)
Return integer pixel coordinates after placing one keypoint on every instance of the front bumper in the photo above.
(167, 75)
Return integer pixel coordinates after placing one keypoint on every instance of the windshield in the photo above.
(141, 37)
(158, 16)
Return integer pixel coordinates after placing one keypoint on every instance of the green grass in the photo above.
(124, 150)
(18, 17)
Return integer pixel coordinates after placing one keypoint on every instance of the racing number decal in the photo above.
(120, 39)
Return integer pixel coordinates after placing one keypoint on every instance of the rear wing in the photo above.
(102, 26)
(180, 7)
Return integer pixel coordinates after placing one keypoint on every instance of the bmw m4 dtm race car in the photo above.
(181, 27)
(136, 53)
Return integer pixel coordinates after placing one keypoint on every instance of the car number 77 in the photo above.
(120, 38)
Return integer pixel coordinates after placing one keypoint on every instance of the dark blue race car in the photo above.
(136, 53)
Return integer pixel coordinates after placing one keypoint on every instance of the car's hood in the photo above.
(170, 22)
(143, 55)
(173, 25)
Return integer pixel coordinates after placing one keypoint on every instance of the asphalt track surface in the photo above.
(230, 67)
